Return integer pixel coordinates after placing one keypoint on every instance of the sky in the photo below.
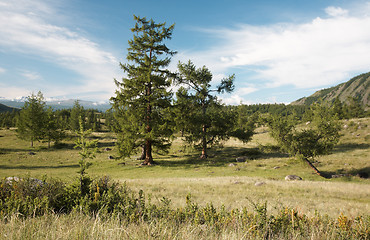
(279, 51)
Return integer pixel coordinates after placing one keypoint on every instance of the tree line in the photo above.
(37, 122)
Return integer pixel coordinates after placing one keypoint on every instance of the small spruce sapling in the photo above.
(88, 149)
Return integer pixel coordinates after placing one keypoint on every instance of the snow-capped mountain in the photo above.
(57, 103)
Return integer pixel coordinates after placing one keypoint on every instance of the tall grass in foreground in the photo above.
(81, 226)
(31, 209)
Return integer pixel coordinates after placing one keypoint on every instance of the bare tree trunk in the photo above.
(31, 143)
(314, 168)
(204, 133)
(148, 158)
(204, 143)
(148, 142)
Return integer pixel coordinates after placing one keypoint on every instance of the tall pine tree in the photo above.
(142, 96)
(32, 119)
(200, 115)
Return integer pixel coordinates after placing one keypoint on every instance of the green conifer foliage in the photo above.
(32, 118)
(142, 98)
(77, 112)
(199, 113)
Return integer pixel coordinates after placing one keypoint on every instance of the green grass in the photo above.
(212, 180)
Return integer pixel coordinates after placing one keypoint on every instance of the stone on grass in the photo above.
(257, 184)
(241, 159)
(232, 165)
(292, 178)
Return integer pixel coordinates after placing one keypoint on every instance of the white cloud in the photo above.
(9, 92)
(238, 96)
(31, 75)
(2, 70)
(27, 28)
(321, 52)
(336, 11)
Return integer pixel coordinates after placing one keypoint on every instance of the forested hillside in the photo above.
(358, 88)
(4, 108)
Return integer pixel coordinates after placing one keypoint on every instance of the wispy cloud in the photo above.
(30, 75)
(2, 70)
(27, 28)
(321, 52)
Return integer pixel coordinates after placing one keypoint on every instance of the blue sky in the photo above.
(279, 50)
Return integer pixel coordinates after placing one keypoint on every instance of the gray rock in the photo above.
(232, 165)
(257, 184)
(241, 159)
(292, 178)
(277, 167)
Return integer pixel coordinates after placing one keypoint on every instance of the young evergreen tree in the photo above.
(52, 128)
(32, 118)
(77, 113)
(88, 149)
(200, 114)
(143, 97)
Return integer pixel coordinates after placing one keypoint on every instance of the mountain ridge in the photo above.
(57, 104)
(357, 87)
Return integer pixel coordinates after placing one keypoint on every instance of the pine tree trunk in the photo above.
(148, 158)
(31, 143)
(204, 143)
(148, 142)
(314, 168)
(204, 133)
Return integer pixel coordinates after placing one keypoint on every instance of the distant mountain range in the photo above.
(357, 87)
(55, 104)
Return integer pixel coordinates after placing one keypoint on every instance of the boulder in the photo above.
(292, 178)
(257, 184)
(232, 165)
(241, 159)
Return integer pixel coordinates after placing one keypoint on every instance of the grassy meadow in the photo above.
(219, 180)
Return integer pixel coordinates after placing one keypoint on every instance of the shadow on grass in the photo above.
(345, 147)
(362, 173)
(12, 150)
(23, 167)
(106, 144)
(218, 157)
